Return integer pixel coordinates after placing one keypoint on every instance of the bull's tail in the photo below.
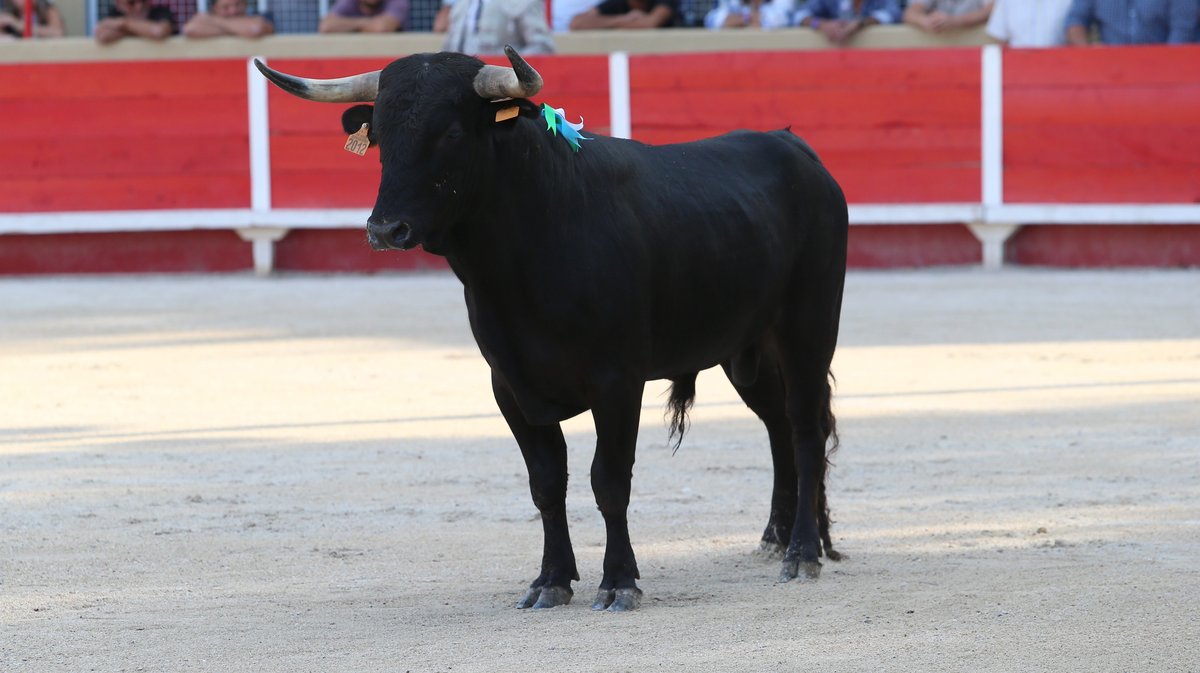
(683, 394)
(828, 422)
(829, 429)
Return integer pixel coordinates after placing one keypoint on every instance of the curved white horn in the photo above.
(519, 81)
(354, 89)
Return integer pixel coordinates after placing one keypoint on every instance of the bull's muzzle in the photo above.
(390, 235)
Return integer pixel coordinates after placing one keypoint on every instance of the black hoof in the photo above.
(626, 600)
(792, 569)
(604, 598)
(545, 597)
(834, 555)
(770, 551)
(618, 600)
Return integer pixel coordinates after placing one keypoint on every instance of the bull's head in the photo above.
(430, 120)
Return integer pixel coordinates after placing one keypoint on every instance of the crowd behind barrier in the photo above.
(1034, 22)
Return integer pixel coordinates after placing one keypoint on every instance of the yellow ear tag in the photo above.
(358, 142)
(504, 114)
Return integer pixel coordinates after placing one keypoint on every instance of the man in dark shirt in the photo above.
(365, 16)
(1132, 21)
(135, 18)
(626, 14)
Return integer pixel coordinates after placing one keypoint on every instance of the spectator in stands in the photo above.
(628, 14)
(748, 14)
(365, 16)
(939, 16)
(227, 17)
(1025, 23)
(47, 20)
(562, 11)
(485, 26)
(135, 18)
(839, 20)
(1132, 21)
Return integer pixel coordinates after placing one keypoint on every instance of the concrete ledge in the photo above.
(395, 45)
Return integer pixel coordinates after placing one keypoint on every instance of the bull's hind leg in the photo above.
(762, 391)
(804, 344)
(616, 419)
(545, 453)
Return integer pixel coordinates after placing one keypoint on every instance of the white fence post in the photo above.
(992, 236)
(260, 139)
(993, 125)
(620, 121)
(263, 239)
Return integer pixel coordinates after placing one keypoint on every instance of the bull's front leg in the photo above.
(545, 453)
(616, 419)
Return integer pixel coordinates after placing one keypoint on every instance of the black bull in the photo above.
(588, 273)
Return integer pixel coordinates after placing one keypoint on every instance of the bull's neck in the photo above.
(517, 215)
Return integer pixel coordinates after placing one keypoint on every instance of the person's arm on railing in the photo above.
(207, 25)
(54, 25)
(384, 23)
(1079, 22)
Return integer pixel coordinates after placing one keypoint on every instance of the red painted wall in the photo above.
(1102, 125)
(893, 126)
(123, 136)
(1086, 246)
(912, 245)
(123, 252)
(1094, 125)
(345, 250)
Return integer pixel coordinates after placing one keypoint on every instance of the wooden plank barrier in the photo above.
(1102, 125)
(893, 126)
(123, 136)
(146, 166)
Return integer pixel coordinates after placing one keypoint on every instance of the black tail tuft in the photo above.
(828, 422)
(683, 394)
(829, 428)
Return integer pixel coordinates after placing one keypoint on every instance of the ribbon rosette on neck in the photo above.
(556, 123)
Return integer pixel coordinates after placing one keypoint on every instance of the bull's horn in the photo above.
(519, 81)
(354, 89)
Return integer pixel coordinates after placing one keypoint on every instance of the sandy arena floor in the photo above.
(308, 474)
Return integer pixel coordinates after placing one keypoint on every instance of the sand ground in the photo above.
(309, 474)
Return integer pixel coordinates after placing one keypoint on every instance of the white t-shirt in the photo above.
(1030, 23)
(562, 11)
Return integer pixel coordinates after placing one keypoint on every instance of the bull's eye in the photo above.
(453, 132)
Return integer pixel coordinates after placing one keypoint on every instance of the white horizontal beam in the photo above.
(915, 213)
(1095, 213)
(353, 218)
(180, 220)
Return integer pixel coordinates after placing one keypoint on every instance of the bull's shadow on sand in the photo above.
(981, 481)
(964, 530)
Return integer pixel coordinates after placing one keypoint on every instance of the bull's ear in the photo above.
(353, 118)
